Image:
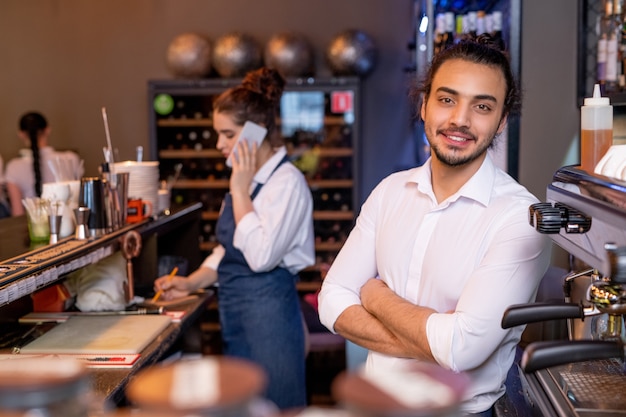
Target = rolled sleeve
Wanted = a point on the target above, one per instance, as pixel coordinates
(465, 339)
(333, 300)
(213, 260)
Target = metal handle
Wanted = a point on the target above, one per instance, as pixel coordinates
(540, 355)
(530, 313)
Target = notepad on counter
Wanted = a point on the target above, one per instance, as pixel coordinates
(100, 335)
(91, 361)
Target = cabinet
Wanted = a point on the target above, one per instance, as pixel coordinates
(319, 118)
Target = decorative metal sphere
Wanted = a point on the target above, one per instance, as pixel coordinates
(291, 54)
(234, 54)
(352, 52)
(189, 56)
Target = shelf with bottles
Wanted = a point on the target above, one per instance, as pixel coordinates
(319, 121)
(440, 23)
(602, 49)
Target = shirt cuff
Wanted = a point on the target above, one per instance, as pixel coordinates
(330, 307)
(439, 334)
(213, 260)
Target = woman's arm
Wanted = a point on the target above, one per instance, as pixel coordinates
(15, 198)
(177, 286)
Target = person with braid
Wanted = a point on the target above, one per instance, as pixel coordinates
(265, 231)
(26, 174)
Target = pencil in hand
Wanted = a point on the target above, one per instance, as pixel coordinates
(169, 279)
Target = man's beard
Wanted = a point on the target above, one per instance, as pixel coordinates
(456, 158)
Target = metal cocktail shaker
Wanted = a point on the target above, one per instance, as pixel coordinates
(81, 215)
(92, 195)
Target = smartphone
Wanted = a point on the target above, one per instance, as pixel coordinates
(252, 133)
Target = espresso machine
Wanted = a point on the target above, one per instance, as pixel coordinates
(583, 376)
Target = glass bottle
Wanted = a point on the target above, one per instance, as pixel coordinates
(610, 32)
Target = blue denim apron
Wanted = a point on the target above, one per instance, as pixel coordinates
(260, 316)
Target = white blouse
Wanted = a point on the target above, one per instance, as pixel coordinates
(279, 232)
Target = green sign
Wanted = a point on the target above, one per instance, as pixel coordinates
(163, 104)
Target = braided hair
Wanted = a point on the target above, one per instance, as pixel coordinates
(33, 124)
(256, 99)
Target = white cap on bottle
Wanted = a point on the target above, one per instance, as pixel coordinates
(597, 99)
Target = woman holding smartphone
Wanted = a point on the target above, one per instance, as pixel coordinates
(265, 231)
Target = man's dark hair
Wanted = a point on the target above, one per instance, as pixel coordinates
(482, 49)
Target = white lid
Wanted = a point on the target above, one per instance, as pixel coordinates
(597, 99)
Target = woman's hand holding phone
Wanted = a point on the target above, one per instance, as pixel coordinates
(251, 133)
(243, 157)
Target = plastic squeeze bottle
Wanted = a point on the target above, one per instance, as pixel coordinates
(596, 129)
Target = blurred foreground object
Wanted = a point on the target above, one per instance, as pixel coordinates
(211, 385)
(44, 386)
(420, 390)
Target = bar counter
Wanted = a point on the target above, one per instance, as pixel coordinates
(23, 265)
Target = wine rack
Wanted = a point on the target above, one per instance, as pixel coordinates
(319, 119)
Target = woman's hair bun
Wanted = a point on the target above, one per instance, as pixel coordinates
(265, 81)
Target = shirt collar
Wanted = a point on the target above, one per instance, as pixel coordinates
(478, 187)
(263, 174)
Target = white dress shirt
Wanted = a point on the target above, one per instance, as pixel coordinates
(279, 232)
(474, 254)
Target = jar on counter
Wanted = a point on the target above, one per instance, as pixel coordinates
(419, 390)
(44, 387)
(209, 386)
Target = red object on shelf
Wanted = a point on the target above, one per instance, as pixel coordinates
(50, 299)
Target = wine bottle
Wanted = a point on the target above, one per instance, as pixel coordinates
(180, 109)
(609, 31)
(496, 21)
(481, 22)
(471, 23)
(461, 27)
(440, 32)
(449, 29)
(179, 140)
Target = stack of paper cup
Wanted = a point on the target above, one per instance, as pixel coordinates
(143, 181)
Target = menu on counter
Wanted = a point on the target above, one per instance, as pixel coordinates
(90, 360)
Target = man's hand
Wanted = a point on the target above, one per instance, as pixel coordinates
(372, 291)
(404, 320)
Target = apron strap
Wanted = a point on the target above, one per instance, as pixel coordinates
(259, 185)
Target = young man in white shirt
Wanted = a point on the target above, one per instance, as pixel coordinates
(440, 251)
